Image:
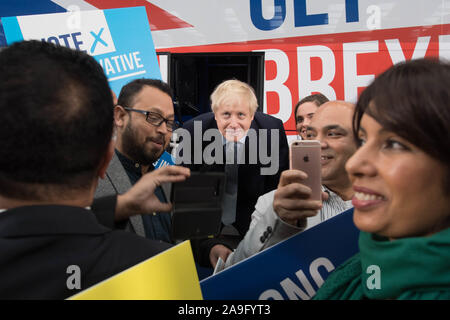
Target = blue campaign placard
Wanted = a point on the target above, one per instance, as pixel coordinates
(119, 39)
(293, 269)
(166, 159)
(12, 30)
(134, 40)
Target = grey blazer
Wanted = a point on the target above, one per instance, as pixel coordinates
(117, 182)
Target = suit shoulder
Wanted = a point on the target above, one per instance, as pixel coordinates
(139, 246)
(267, 121)
(205, 118)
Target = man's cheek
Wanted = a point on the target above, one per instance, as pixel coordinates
(167, 141)
(245, 126)
(222, 129)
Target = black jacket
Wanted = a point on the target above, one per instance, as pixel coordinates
(39, 243)
(251, 184)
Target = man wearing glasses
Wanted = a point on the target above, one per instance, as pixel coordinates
(144, 121)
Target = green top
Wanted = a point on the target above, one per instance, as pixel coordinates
(408, 268)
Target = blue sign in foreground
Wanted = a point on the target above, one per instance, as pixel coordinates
(293, 269)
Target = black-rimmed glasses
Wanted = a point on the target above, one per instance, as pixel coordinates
(156, 119)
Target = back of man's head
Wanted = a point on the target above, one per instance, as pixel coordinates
(57, 120)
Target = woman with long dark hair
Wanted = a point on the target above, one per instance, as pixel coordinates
(401, 179)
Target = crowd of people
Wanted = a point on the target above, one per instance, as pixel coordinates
(78, 185)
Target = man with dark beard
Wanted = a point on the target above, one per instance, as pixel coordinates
(144, 121)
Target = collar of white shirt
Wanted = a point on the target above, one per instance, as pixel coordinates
(227, 142)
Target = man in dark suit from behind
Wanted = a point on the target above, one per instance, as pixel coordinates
(252, 135)
(55, 141)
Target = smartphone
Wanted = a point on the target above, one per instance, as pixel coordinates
(197, 205)
(304, 155)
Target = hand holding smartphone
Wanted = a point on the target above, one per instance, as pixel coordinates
(304, 155)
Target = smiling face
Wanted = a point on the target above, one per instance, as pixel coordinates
(303, 117)
(332, 126)
(138, 139)
(233, 117)
(399, 189)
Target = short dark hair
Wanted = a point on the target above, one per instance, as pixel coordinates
(317, 98)
(131, 89)
(57, 119)
(412, 99)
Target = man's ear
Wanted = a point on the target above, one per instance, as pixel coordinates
(120, 116)
(114, 98)
(106, 159)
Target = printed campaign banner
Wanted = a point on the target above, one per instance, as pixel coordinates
(171, 275)
(119, 39)
(293, 269)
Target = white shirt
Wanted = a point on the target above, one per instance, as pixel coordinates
(265, 216)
